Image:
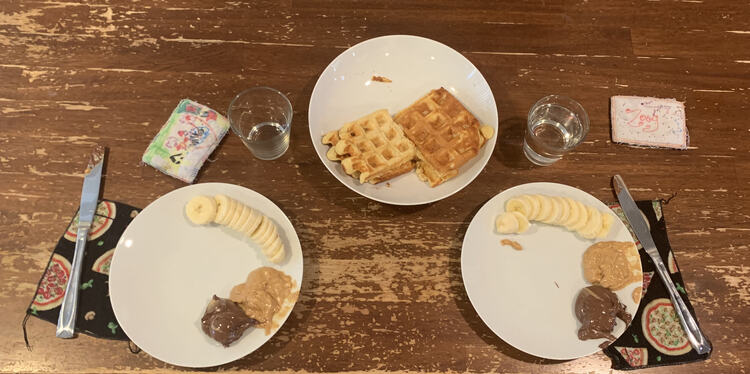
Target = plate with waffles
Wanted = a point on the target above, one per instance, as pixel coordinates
(403, 120)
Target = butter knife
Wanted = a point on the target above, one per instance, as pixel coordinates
(66, 322)
(693, 332)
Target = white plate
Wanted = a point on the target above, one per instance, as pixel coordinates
(166, 269)
(527, 297)
(344, 92)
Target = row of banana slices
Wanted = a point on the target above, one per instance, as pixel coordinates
(586, 220)
(239, 217)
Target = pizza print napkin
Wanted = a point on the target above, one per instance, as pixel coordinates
(95, 316)
(655, 337)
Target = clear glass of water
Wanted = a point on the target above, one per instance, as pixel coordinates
(262, 118)
(556, 124)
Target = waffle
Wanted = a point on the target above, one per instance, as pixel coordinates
(445, 134)
(372, 148)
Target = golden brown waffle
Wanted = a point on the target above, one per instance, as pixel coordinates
(372, 148)
(445, 133)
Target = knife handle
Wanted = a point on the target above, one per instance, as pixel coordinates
(66, 322)
(693, 332)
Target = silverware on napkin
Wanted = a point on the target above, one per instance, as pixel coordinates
(66, 322)
(641, 230)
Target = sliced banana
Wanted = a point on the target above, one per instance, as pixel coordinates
(583, 218)
(518, 205)
(234, 205)
(275, 251)
(201, 210)
(564, 210)
(244, 215)
(545, 208)
(278, 257)
(573, 215)
(507, 223)
(226, 211)
(252, 223)
(523, 223)
(607, 220)
(272, 235)
(555, 210)
(593, 225)
(223, 203)
(236, 215)
(534, 203)
(273, 247)
(262, 231)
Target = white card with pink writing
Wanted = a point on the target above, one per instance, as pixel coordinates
(648, 121)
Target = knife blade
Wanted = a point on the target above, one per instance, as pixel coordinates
(642, 232)
(89, 198)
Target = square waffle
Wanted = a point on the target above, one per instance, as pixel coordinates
(445, 134)
(372, 148)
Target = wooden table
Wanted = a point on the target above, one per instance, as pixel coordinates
(382, 287)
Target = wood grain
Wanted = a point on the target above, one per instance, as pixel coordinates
(382, 287)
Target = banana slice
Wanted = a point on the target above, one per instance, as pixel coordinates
(554, 211)
(236, 214)
(583, 217)
(564, 211)
(523, 223)
(534, 203)
(593, 225)
(278, 257)
(518, 205)
(607, 220)
(223, 203)
(545, 208)
(506, 223)
(201, 210)
(262, 230)
(268, 238)
(272, 235)
(234, 206)
(271, 249)
(244, 215)
(573, 215)
(252, 223)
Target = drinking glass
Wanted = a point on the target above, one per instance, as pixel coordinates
(556, 124)
(262, 118)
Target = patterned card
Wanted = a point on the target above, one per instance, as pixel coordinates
(184, 143)
(648, 121)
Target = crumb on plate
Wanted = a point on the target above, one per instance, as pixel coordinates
(377, 78)
(512, 243)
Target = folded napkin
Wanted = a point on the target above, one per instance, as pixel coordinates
(184, 143)
(655, 337)
(94, 315)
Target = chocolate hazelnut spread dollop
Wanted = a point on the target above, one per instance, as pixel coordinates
(596, 307)
(225, 321)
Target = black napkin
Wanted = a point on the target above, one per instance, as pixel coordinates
(655, 337)
(94, 315)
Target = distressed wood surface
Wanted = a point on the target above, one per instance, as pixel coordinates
(382, 286)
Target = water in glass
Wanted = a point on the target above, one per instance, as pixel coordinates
(552, 131)
(268, 140)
